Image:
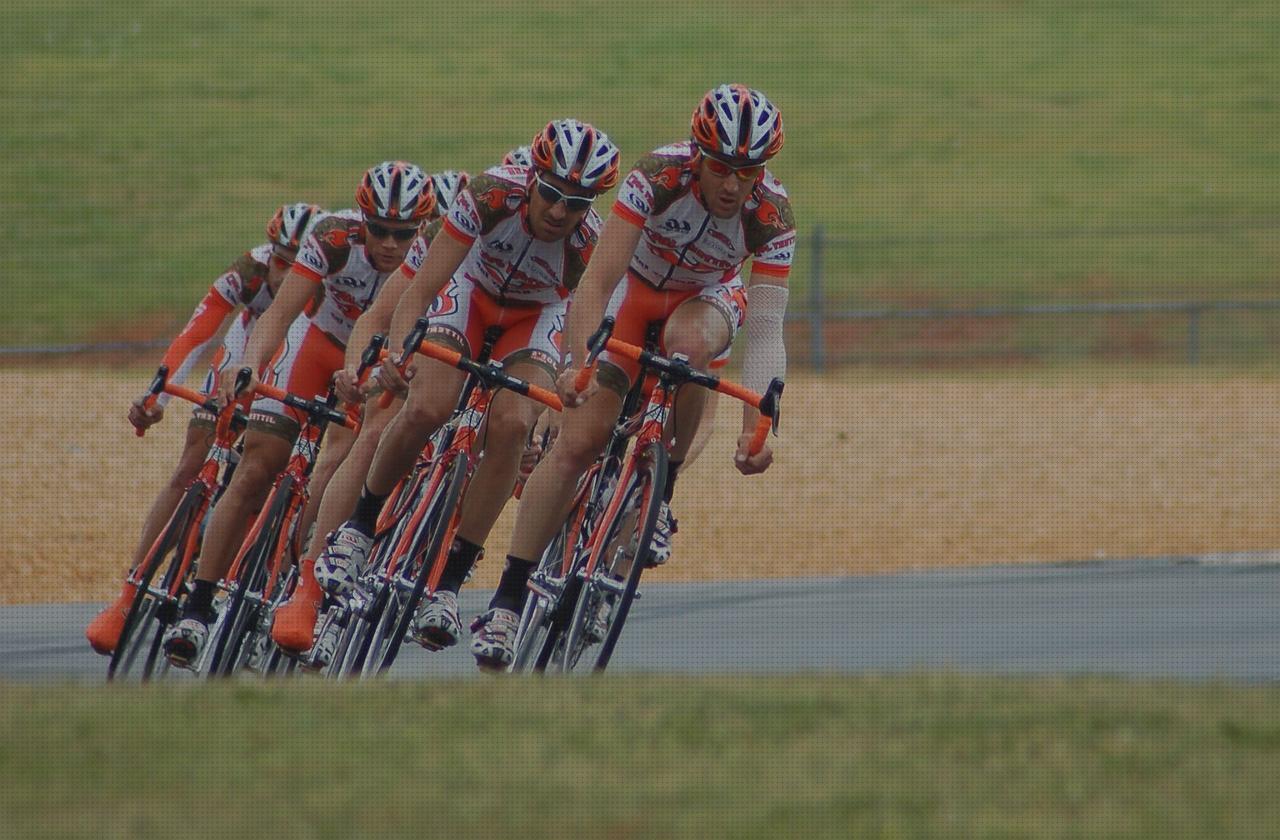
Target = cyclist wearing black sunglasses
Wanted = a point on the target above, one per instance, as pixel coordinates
(250, 282)
(341, 267)
(512, 251)
(688, 218)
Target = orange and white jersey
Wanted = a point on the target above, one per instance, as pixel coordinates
(506, 260)
(244, 284)
(334, 257)
(684, 246)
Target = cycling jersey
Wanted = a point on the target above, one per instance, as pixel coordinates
(684, 246)
(333, 256)
(243, 284)
(491, 216)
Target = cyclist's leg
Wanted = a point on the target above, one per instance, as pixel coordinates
(194, 451)
(338, 443)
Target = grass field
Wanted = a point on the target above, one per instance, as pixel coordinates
(145, 144)
(643, 757)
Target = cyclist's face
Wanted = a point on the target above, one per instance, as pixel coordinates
(281, 261)
(549, 217)
(723, 194)
(388, 241)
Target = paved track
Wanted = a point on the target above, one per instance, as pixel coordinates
(1151, 618)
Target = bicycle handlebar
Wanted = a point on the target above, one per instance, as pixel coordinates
(160, 384)
(767, 403)
(314, 408)
(489, 372)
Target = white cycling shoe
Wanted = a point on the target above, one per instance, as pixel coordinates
(437, 626)
(493, 640)
(345, 553)
(184, 642)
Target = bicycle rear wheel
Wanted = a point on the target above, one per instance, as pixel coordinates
(626, 539)
(144, 621)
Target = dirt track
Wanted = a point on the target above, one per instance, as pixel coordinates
(869, 477)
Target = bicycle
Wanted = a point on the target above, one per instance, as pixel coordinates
(410, 551)
(264, 570)
(155, 608)
(590, 572)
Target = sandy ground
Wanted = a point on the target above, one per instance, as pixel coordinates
(869, 477)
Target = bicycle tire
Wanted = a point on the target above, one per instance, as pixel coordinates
(644, 496)
(233, 622)
(428, 544)
(136, 631)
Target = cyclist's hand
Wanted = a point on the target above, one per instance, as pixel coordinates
(567, 387)
(144, 418)
(227, 385)
(389, 377)
(751, 464)
(347, 386)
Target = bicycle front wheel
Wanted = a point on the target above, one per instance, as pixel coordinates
(624, 545)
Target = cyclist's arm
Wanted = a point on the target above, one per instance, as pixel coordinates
(613, 253)
(189, 344)
(765, 356)
(270, 330)
(446, 253)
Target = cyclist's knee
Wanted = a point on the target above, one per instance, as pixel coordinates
(423, 416)
(695, 340)
(508, 428)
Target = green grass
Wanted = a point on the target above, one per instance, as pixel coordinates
(911, 756)
(145, 144)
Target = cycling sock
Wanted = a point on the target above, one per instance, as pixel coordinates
(462, 556)
(365, 519)
(511, 588)
(673, 470)
(200, 602)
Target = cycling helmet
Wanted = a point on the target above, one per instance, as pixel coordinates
(519, 156)
(576, 152)
(738, 124)
(396, 190)
(447, 185)
(290, 222)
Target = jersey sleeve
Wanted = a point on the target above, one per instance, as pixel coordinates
(635, 198)
(236, 284)
(579, 248)
(486, 201)
(418, 250)
(771, 235)
(325, 250)
(187, 347)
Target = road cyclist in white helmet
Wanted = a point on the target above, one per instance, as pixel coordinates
(687, 220)
(299, 342)
(509, 255)
(247, 286)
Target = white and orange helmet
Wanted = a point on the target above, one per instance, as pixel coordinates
(290, 222)
(577, 152)
(396, 191)
(447, 185)
(519, 156)
(737, 124)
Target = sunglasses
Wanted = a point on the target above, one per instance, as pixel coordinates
(572, 203)
(721, 169)
(378, 231)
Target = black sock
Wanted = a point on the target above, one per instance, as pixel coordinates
(462, 556)
(673, 470)
(370, 505)
(200, 602)
(511, 588)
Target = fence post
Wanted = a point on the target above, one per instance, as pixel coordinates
(817, 341)
(1193, 334)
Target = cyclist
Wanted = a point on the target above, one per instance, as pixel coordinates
(687, 219)
(251, 283)
(344, 262)
(294, 622)
(514, 248)
(519, 156)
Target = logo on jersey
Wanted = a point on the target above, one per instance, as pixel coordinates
(446, 303)
(677, 226)
(350, 307)
(499, 245)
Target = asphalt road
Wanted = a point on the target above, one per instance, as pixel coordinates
(1150, 618)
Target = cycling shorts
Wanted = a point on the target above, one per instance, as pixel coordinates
(530, 331)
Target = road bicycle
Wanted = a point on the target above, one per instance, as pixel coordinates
(587, 579)
(411, 547)
(264, 571)
(157, 602)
